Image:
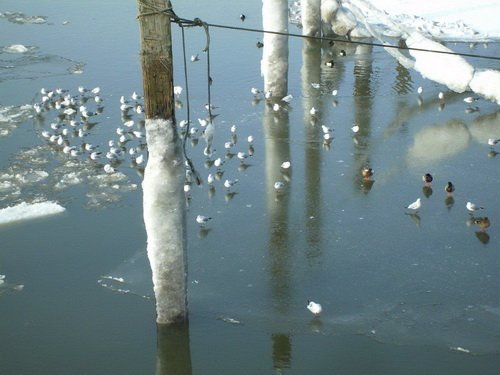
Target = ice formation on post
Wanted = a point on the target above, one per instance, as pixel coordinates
(274, 63)
(164, 217)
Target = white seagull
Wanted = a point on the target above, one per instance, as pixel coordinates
(286, 164)
(230, 183)
(471, 207)
(314, 307)
(202, 220)
(415, 206)
(493, 141)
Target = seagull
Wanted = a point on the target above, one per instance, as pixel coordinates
(242, 17)
(218, 162)
(313, 111)
(415, 205)
(195, 58)
(330, 63)
(140, 159)
(287, 99)
(242, 156)
(210, 179)
(286, 165)
(427, 178)
(255, 91)
(259, 44)
(230, 183)
(470, 99)
(355, 128)
(250, 139)
(177, 91)
(314, 307)
(334, 93)
(109, 169)
(441, 96)
(136, 96)
(315, 85)
(493, 141)
(268, 94)
(202, 220)
(420, 90)
(326, 129)
(471, 207)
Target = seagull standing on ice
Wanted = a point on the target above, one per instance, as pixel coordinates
(471, 207)
(314, 308)
(202, 220)
(415, 206)
(228, 184)
(493, 141)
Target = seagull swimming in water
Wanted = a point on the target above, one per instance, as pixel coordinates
(314, 308)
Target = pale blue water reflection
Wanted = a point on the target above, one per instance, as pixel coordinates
(400, 293)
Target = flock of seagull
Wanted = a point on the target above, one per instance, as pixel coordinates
(74, 115)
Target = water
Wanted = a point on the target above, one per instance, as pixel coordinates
(400, 293)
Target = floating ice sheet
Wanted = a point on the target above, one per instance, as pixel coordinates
(27, 211)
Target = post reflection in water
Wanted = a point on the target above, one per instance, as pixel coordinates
(311, 73)
(173, 353)
(363, 98)
(277, 148)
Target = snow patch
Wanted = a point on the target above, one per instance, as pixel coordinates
(487, 83)
(450, 70)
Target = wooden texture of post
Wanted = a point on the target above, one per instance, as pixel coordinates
(156, 54)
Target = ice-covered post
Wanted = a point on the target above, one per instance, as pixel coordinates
(274, 64)
(163, 199)
(311, 17)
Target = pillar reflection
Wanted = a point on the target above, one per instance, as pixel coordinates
(310, 76)
(173, 355)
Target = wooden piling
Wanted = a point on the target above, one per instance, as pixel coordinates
(156, 56)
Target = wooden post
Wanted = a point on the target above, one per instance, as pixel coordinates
(163, 195)
(156, 54)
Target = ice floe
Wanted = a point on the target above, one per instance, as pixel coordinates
(26, 211)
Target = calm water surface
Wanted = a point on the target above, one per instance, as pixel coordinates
(412, 294)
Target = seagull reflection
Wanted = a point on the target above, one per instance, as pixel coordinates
(203, 232)
(415, 217)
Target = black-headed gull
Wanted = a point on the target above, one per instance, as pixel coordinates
(314, 308)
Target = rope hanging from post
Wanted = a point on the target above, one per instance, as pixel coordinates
(196, 22)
